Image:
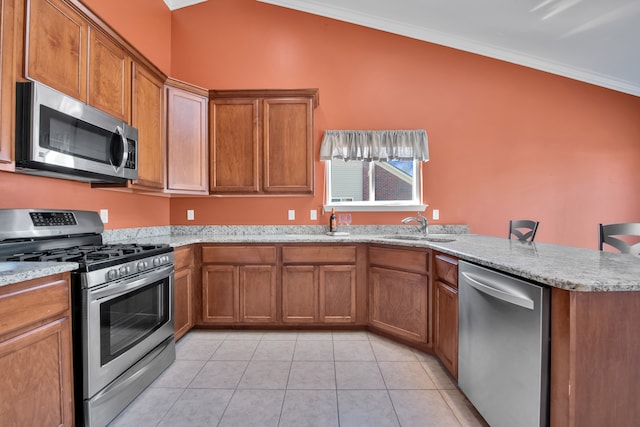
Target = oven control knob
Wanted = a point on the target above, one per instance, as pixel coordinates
(156, 262)
(112, 274)
(122, 270)
(141, 265)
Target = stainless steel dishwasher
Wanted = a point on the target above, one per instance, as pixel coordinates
(503, 347)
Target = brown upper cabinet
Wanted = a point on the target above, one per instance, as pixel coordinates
(147, 115)
(56, 48)
(109, 76)
(262, 141)
(67, 52)
(187, 163)
(8, 34)
(73, 51)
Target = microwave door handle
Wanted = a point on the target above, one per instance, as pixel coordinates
(125, 150)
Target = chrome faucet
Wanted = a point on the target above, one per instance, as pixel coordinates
(424, 222)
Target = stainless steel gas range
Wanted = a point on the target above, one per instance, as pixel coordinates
(122, 304)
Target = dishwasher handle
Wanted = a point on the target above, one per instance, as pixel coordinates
(486, 288)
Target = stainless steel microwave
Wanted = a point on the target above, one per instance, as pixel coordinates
(61, 137)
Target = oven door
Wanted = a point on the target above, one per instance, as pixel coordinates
(124, 321)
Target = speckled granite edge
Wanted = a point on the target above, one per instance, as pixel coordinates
(15, 272)
(257, 230)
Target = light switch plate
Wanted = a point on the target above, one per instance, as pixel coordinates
(104, 215)
(436, 214)
(313, 215)
(292, 214)
(190, 215)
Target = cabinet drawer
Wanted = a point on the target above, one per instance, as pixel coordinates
(400, 259)
(239, 254)
(29, 302)
(447, 269)
(319, 255)
(183, 257)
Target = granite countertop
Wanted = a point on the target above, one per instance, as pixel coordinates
(14, 272)
(565, 267)
(570, 268)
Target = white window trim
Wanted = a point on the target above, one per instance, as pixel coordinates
(380, 206)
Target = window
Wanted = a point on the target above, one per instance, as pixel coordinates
(371, 170)
(373, 184)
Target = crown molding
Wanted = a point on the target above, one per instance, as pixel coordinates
(432, 36)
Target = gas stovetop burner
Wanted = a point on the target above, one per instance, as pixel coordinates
(88, 255)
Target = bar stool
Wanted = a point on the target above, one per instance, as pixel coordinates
(523, 229)
(608, 231)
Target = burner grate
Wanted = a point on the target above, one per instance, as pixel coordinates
(86, 254)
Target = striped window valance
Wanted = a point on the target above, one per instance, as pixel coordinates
(378, 145)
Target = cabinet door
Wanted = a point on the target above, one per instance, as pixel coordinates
(182, 302)
(7, 83)
(57, 47)
(257, 294)
(220, 294)
(234, 165)
(288, 145)
(337, 288)
(299, 294)
(446, 327)
(36, 377)
(187, 163)
(109, 76)
(147, 116)
(398, 303)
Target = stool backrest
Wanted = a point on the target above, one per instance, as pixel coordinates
(523, 229)
(608, 232)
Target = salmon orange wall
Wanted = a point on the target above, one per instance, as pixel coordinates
(146, 24)
(125, 209)
(505, 141)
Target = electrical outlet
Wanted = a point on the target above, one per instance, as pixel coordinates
(436, 214)
(104, 215)
(313, 215)
(190, 215)
(292, 214)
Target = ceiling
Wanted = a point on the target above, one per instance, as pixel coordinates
(595, 41)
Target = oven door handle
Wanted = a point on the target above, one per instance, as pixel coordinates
(110, 291)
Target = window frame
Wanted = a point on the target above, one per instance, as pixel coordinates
(376, 206)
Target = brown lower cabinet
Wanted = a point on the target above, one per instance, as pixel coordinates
(183, 290)
(319, 284)
(445, 285)
(319, 294)
(283, 284)
(35, 353)
(239, 285)
(399, 293)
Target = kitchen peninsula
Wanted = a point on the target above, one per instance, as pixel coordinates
(595, 306)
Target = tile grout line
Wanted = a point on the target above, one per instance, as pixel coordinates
(286, 386)
(386, 387)
(237, 384)
(335, 375)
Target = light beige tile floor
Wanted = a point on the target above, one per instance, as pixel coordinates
(299, 378)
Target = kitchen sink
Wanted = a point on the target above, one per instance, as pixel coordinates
(441, 239)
